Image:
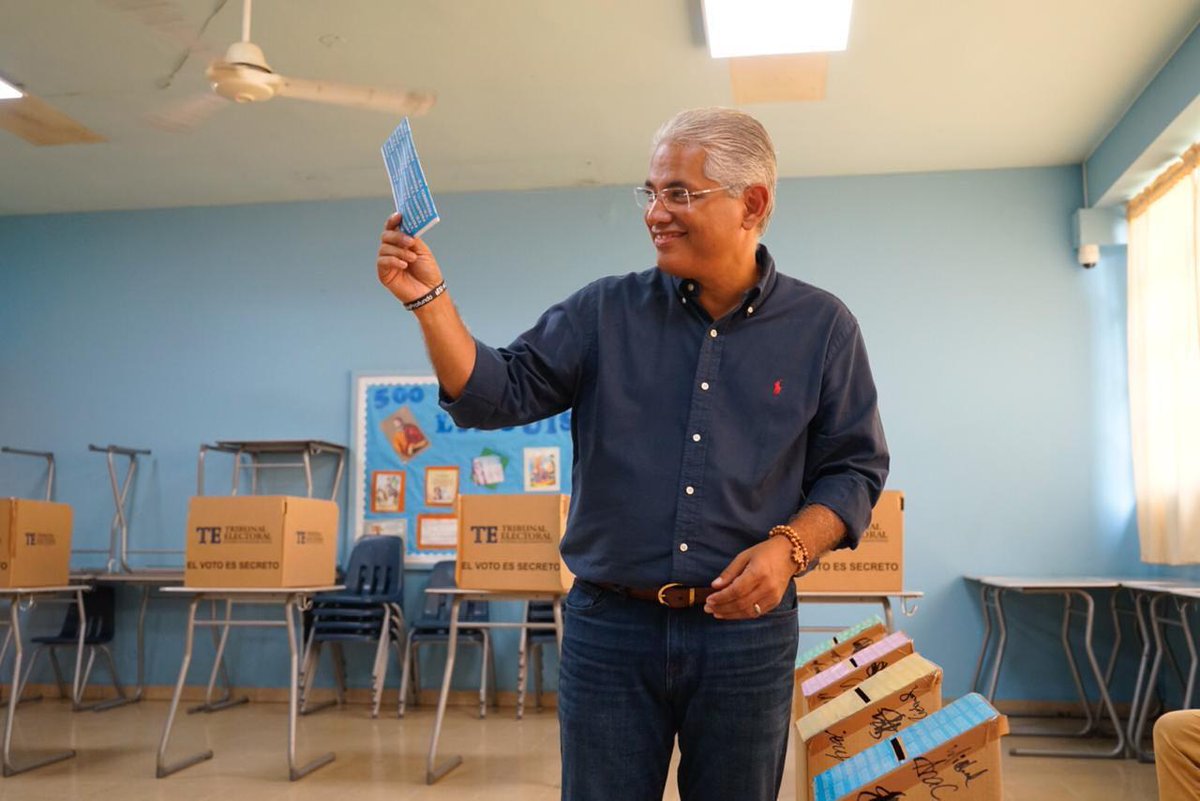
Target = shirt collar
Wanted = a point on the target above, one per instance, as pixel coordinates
(690, 289)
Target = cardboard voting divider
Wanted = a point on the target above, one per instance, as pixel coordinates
(876, 565)
(35, 543)
(829, 652)
(510, 542)
(261, 541)
(888, 702)
(954, 753)
(850, 672)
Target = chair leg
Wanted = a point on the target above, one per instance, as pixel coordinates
(381, 662)
(416, 674)
(338, 657)
(410, 655)
(483, 675)
(522, 671)
(537, 676)
(380, 669)
(312, 665)
(112, 670)
(19, 690)
(58, 674)
(494, 686)
(87, 676)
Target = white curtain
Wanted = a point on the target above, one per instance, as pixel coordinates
(1164, 367)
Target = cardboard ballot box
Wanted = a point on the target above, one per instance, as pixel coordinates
(35, 543)
(828, 653)
(261, 541)
(850, 672)
(954, 753)
(888, 702)
(510, 542)
(876, 565)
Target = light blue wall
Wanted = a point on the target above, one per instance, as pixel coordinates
(1000, 363)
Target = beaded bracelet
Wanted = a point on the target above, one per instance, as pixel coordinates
(432, 295)
(800, 554)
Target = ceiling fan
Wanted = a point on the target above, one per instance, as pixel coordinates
(243, 76)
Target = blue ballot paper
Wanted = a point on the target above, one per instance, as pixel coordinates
(411, 192)
(867, 767)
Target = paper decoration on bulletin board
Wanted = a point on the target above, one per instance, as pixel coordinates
(411, 463)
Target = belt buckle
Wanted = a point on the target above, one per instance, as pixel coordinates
(663, 590)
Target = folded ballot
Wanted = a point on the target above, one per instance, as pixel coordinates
(882, 705)
(829, 652)
(847, 674)
(954, 753)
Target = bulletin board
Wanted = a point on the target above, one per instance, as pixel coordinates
(411, 462)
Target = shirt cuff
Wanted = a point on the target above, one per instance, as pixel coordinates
(483, 393)
(851, 499)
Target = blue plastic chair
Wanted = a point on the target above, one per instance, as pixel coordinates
(533, 643)
(433, 626)
(100, 616)
(370, 609)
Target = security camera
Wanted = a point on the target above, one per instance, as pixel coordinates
(1089, 256)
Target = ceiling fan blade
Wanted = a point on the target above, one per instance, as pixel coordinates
(779, 79)
(40, 123)
(167, 18)
(187, 114)
(412, 104)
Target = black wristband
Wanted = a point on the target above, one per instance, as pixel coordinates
(427, 298)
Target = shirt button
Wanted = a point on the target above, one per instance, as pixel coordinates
(690, 490)
(684, 300)
(690, 286)
(712, 333)
(695, 437)
(749, 310)
(683, 547)
(704, 386)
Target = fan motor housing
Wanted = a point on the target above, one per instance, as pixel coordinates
(245, 85)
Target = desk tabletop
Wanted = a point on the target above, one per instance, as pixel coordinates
(846, 594)
(251, 591)
(499, 595)
(1160, 585)
(43, 590)
(137, 577)
(1020, 583)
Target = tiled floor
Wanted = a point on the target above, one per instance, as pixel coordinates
(385, 759)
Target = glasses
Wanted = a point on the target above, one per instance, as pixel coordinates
(673, 198)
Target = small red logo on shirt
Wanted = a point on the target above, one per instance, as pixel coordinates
(778, 387)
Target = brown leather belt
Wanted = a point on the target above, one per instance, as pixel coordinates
(674, 595)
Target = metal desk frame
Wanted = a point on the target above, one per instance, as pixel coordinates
(119, 550)
(1183, 598)
(434, 771)
(47, 455)
(28, 597)
(992, 589)
(293, 600)
(254, 450)
(1142, 594)
(884, 599)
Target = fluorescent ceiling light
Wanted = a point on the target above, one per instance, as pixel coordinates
(773, 27)
(8, 91)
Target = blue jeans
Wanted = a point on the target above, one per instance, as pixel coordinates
(635, 675)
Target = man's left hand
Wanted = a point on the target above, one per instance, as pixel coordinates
(758, 575)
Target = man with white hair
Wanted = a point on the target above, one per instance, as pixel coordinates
(726, 435)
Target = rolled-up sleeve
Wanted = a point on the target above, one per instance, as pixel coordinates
(534, 377)
(847, 460)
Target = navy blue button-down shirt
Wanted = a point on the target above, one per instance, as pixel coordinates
(692, 437)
